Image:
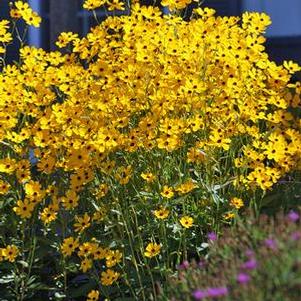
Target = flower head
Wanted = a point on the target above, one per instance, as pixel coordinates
(293, 216)
(243, 278)
(186, 221)
(152, 249)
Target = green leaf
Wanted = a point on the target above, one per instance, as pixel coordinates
(7, 279)
(23, 263)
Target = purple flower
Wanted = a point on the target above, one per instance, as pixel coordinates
(243, 278)
(250, 253)
(293, 216)
(217, 291)
(271, 243)
(202, 263)
(212, 236)
(210, 292)
(184, 265)
(295, 235)
(251, 264)
(199, 295)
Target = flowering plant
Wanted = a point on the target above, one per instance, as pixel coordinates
(120, 152)
(258, 259)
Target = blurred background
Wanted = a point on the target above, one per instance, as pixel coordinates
(283, 36)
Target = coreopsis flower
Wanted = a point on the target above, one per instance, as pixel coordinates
(34, 191)
(10, 252)
(65, 38)
(93, 296)
(205, 12)
(68, 246)
(186, 221)
(99, 214)
(24, 208)
(100, 253)
(102, 190)
(161, 213)
(86, 264)
(14, 13)
(108, 277)
(236, 203)
(148, 177)
(32, 18)
(152, 249)
(229, 215)
(48, 215)
(124, 174)
(167, 192)
(4, 187)
(113, 257)
(5, 36)
(176, 4)
(186, 187)
(70, 201)
(24, 10)
(82, 223)
(93, 4)
(115, 5)
(86, 249)
(291, 66)
(7, 165)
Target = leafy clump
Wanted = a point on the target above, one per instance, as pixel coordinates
(258, 259)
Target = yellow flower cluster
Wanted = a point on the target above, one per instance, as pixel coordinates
(145, 107)
(110, 4)
(5, 36)
(24, 11)
(90, 252)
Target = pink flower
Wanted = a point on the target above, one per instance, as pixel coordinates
(251, 264)
(293, 216)
(212, 236)
(243, 278)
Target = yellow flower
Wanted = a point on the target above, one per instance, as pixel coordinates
(93, 4)
(4, 187)
(69, 245)
(152, 249)
(176, 4)
(10, 253)
(236, 203)
(161, 213)
(82, 223)
(86, 249)
(186, 187)
(48, 215)
(112, 258)
(229, 215)
(167, 192)
(32, 18)
(93, 295)
(186, 221)
(108, 277)
(86, 264)
(24, 208)
(148, 177)
(65, 38)
(100, 253)
(25, 11)
(70, 201)
(7, 165)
